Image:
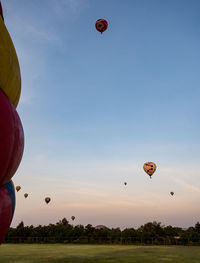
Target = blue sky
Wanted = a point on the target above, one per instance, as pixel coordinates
(96, 107)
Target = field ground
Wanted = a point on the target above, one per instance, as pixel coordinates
(58, 253)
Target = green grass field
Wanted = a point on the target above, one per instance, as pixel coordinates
(97, 254)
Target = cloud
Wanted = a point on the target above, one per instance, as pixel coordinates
(63, 7)
(33, 32)
(93, 190)
(186, 185)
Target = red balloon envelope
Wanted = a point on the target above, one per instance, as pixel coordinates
(101, 25)
(11, 139)
(47, 199)
(7, 208)
(1, 11)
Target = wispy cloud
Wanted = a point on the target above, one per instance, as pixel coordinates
(186, 184)
(63, 7)
(33, 32)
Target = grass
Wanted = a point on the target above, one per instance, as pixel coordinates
(57, 253)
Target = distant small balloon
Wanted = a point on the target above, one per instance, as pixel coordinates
(171, 193)
(73, 217)
(47, 199)
(125, 183)
(149, 168)
(101, 25)
(25, 195)
(18, 188)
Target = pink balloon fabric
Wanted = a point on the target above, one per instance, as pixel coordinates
(11, 139)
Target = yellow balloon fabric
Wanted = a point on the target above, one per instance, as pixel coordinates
(10, 77)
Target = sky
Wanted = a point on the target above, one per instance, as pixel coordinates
(96, 107)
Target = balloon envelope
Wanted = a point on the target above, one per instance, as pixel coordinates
(73, 217)
(10, 76)
(11, 139)
(101, 25)
(18, 187)
(47, 199)
(149, 168)
(25, 195)
(7, 208)
(171, 193)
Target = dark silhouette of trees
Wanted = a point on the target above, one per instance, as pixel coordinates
(62, 232)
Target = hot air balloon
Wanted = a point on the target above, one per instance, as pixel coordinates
(149, 168)
(125, 183)
(18, 188)
(47, 199)
(171, 193)
(101, 25)
(7, 208)
(11, 132)
(73, 217)
(25, 195)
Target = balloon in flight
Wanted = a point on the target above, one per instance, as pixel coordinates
(171, 193)
(101, 25)
(18, 187)
(73, 217)
(125, 183)
(47, 199)
(25, 195)
(149, 168)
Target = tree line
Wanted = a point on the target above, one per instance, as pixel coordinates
(62, 232)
